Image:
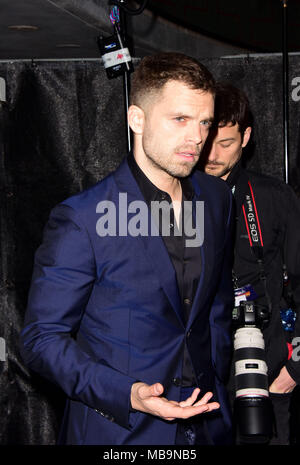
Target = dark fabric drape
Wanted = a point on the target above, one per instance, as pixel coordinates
(64, 129)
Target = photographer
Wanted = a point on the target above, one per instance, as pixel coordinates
(271, 251)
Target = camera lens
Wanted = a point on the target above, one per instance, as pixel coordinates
(250, 366)
(252, 403)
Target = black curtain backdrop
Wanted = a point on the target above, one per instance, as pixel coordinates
(62, 130)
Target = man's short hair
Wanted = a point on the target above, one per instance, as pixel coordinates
(154, 71)
(232, 107)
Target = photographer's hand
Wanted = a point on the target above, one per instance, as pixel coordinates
(283, 384)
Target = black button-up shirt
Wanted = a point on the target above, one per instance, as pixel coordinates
(186, 260)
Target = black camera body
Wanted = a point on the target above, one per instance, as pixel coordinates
(250, 313)
(252, 406)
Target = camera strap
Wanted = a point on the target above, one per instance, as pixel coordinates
(255, 237)
(252, 222)
(254, 232)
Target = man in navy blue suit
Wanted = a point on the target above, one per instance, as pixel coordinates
(129, 310)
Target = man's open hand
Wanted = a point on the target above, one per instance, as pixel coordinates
(148, 399)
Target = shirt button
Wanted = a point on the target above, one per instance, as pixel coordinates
(176, 381)
(105, 415)
(187, 301)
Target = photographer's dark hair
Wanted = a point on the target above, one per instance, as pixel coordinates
(154, 71)
(231, 107)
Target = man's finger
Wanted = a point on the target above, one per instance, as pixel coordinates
(190, 400)
(205, 399)
(189, 411)
(146, 391)
(169, 410)
(210, 405)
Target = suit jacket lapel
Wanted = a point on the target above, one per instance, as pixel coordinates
(153, 244)
(207, 255)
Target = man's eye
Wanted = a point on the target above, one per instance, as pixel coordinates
(225, 146)
(206, 123)
(180, 118)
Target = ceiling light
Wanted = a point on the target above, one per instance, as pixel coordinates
(67, 45)
(23, 27)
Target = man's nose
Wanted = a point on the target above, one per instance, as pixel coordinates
(211, 154)
(195, 134)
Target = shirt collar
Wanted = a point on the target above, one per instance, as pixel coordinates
(149, 190)
(234, 174)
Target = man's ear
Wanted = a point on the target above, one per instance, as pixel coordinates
(136, 119)
(246, 136)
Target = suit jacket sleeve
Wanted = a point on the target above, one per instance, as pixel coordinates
(62, 281)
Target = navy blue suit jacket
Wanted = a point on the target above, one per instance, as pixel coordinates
(105, 312)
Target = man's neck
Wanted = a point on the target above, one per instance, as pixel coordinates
(234, 174)
(160, 178)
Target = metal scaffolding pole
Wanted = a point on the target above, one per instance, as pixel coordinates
(285, 80)
(126, 82)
